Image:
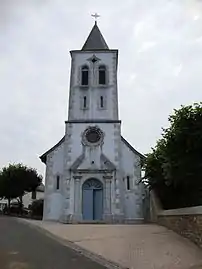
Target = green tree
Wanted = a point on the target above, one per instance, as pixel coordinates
(16, 180)
(174, 167)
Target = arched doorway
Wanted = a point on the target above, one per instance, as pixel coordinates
(92, 202)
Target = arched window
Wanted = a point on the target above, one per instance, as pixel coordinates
(102, 75)
(84, 75)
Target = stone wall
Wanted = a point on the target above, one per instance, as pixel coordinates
(189, 226)
(185, 221)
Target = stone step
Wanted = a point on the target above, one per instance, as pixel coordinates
(129, 221)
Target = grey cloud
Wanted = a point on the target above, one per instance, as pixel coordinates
(160, 55)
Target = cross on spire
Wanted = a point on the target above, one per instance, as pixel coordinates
(95, 16)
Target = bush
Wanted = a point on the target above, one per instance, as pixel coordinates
(37, 208)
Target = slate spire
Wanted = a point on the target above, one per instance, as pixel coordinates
(95, 40)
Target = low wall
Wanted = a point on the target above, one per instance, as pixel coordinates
(185, 221)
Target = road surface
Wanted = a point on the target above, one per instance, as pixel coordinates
(22, 247)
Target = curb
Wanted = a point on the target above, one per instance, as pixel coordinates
(94, 257)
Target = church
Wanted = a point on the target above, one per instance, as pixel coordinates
(93, 174)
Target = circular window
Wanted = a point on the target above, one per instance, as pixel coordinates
(92, 136)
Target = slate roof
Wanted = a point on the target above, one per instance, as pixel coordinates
(95, 40)
(43, 157)
(132, 148)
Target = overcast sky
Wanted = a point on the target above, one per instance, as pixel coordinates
(160, 66)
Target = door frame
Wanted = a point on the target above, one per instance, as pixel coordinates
(93, 188)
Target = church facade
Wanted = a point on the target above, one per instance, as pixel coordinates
(93, 174)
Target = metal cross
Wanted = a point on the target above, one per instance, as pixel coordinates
(95, 16)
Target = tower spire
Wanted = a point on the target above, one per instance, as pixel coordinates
(95, 40)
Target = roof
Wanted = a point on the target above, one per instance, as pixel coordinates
(95, 40)
(43, 157)
(132, 148)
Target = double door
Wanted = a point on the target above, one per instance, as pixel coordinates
(92, 203)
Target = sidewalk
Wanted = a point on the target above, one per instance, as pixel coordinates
(132, 246)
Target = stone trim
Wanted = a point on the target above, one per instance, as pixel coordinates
(184, 221)
(196, 210)
(93, 121)
(107, 177)
(77, 162)
(90, 52)
(96, 129)
(77, 177)
(189, 226)
(106, 76)
(91, 171)
(110, 165)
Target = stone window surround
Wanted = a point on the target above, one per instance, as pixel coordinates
(106, 76)
(96, 72)
(104, 107)
(85, 141)
(87, 69)
(82, 107)
(131, 184)
(56, 178)
(103, 68)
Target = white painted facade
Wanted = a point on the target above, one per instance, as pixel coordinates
(111, 160)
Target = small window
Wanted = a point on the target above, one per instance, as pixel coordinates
(84, 75)
(101, 102)
(84, 102)
(58, 182)
(128, 182)
(102, 75)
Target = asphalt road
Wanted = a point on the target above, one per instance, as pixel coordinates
(22, 247)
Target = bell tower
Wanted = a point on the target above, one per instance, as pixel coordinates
(93, 82)
(93, 135)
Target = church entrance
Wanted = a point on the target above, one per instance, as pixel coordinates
(92, 199)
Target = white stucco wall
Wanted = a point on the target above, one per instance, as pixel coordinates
(53, 198)
(93, 91)
(57, 159)
(108, 147)
(133, 197)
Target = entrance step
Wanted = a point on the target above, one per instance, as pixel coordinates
(126, 221)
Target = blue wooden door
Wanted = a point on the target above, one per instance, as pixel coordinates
(92, 201)
(97, 204)
(87, 204)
